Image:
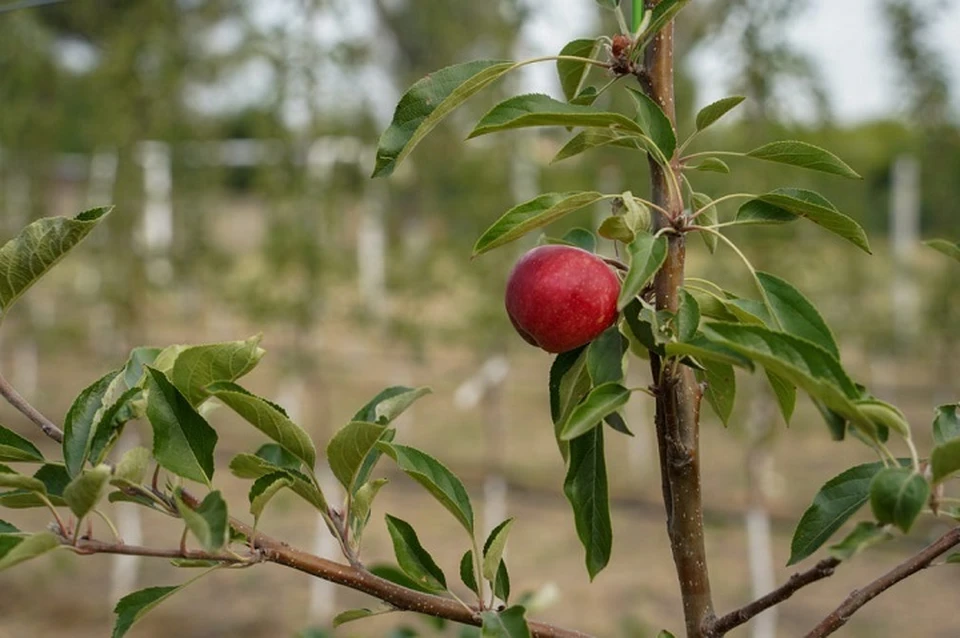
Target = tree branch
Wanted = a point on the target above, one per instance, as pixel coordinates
(278, 552)
(860, 597)
(823, 569)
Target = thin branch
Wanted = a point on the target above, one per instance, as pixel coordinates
(8, 392)
(823, 569)
(90, 546)
(860, 597)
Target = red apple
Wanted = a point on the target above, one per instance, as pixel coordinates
(560, 297)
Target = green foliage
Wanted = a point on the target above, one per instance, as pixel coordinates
(509, 623)
(863, 536)
(897, 495)
(209, 522)
(804, 155)
(573, 74)
(14, 448)
(535, 109)
(946, 423)
(602, 401)
(197, 367)
(16, 548)
(647, 254)
(585, 486)
(709, 114)
(414, 560)
(493, 549)
(945, 247)
(86, 490)
(536, 213)
(132, 607)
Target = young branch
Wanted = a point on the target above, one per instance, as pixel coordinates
(860, 597)
(823, 569)
(275, 551)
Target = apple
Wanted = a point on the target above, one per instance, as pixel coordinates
(560, 297)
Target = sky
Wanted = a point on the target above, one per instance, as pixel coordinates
(845, 38)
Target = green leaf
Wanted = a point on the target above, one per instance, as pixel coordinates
(536, 213)
(721, 390)
(609, 4)
(581, 238)
(655, 123)
(785, 393)
(709, 217)
(509, 623)
(196, 367)
(183, 441)
(803, 155)
(352, 614)
(602, 400)
(945, 460)
(349, 447)
(945, 247)
(79, 424)
(16, 449)
(53, 477)
(573, 74)
(706, 350)
(85, 491)
(616, 228)
(468, 572)
(396, 575)
(413, 559)
(110, 419)
(132, 467)
(885, 415)
(587, 96)
(647, 254)
(605, 357)
(585, 486)
(248, 466)
(795, 314)
(713, 112)
(264, 489)
(897, 495)
(17, 548)
(435, 477)
(494, 547)
(946, 423)
(665, 634)
(501, 585)
(132, 607)
(688, 316)
(536, 109)
(7, 528)
(596, 137)
(615, 421)
(712, 165)
(389, 408)
(273, 453)
(361, 504)
(663, 13)
(864, 535)
(11, 479)
(785, 204)
(834, 504)
(209, 522)
(427, 102)
(569, 383)
(37, 248)
(268, 418)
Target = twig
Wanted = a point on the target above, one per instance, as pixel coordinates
(90, 546)
(8, 392)
(823, 569)
(860, 597)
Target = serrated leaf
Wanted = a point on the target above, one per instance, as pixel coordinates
(535, 109)
(712, 165)
(616, 228)
(785, 204)
(654, 123)
(945, 247)
(897, 495)
(413, 559)
(273, 453)
(705, 350)
(16, 449)
(435, 477)
(349, 447)
(709, 114)
(183, 441)
(601, 401)
(585, 486)
(268, 418)
(427, 102)
(509, 623)
(785, 393)
(361, 504)
(946, 423)
(708, 217)
(663, 13)
(596, 137)
(945, 460)
(468, 572)
(572, 73)
(352, 614)
(647, 255)
(863, 536)
(605, 357)
(804, 155)
(721, 390)
(494, 547)
(79, 424)
(389, 408)
(395, 575)
(834, 504)
(587, 96)
(536, 213)
(110, 419)
(264, 489)
(795, 314)
(86, 490)
(208, 522)
(18, 548)
(54, 479)
(132, 467)
(248, 466)
(688, 316)
(197, 367)
(38, 248)
(132, 607)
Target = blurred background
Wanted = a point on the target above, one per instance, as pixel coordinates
(235, 138)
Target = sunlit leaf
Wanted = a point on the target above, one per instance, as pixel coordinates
(647, 254)
(535, 109)
(536, 213)
(413, 559)
(573, 73)
(897, 495)
(655, 123)
(713, 112)
(803, 155)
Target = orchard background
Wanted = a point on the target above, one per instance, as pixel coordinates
(235, 140)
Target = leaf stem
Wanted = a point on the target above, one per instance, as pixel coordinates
(686, 158)
(53, 510)
(720, 200)
(113, 528)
